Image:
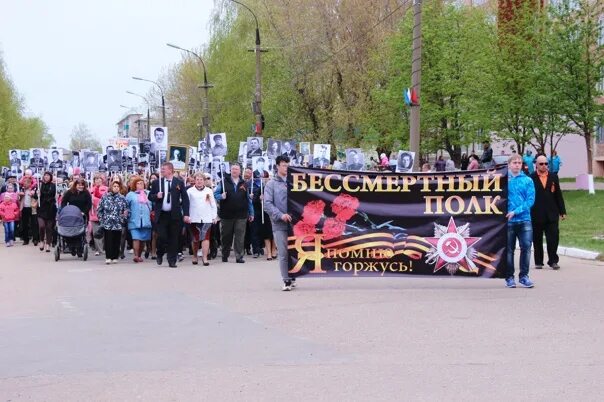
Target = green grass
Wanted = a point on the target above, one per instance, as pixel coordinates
(585, 219)
(572, 179)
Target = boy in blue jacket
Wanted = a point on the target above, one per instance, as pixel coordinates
(521, 197)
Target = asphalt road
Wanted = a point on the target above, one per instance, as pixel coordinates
(83, 331)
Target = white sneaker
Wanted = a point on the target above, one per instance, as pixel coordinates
(287, 286)
(107, 261)
(200, 253)
(131, 251)
(96, 253)
(114, 261)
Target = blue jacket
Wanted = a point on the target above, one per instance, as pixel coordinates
(140, 214)
(521, 197)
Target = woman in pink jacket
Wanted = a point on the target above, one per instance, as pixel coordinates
(97, 191)
(9, 213)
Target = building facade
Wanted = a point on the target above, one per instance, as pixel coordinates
(133, 125)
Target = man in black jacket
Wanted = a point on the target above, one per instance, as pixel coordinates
(171, 208)
(546, 213)
(235, 208)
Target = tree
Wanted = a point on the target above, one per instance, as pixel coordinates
(82, 138)
(16, 130)
(578, 55)
(457, 77)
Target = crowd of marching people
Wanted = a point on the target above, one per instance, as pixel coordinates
(170, 215)
(156, 217)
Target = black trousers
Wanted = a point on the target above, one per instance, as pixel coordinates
(168, 235)
(26, 226)
(112, 244)
(552, 238)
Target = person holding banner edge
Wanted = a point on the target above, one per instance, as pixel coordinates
(521, 197)
(275, 205)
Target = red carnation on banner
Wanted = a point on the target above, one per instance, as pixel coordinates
(304, 228)
(313, 211)
(333, 228)
(345, 206)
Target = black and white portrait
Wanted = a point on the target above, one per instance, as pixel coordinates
(288, 148)
(75, 159)
(305, 148)
(145, 148)
(14, 157)
(159, 138)
(321, 154)
(259, 166)
(56, 161)
(404, 162)
(254, 147)
(38, 159)
(354, 159)
(162, 156)
(114, 160)
(202, 147)
(218, 144)
(178, 157)
(24, 157)
(91, 161)
(273, 149)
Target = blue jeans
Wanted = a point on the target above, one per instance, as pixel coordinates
(523, 231)
(9, 231)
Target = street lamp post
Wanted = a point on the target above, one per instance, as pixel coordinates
(148, 113)
(205, 121)
(161, 90)
(257, 50)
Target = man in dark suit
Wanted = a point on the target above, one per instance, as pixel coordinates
(171, 208)
(546, 213)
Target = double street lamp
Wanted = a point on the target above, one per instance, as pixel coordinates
(257, 50)
(161, 90)
(205, 121)
(148, 114)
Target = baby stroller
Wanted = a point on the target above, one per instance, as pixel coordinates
(71, 230)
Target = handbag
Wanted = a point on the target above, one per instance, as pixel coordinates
(99, 232)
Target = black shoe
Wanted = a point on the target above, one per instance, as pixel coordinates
(122, 256)
(539, 266)
(159, 259)
(256, 255)
(240, 260)
(248, 252)
(146, 254)
(181, 257)
(35, 243)
(225, 259)
(555, 266)
(172, 265)
(25, 243)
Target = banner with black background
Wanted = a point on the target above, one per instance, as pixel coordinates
(378, 224)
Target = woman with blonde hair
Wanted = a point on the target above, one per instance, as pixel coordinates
(203, 213)
(139, 217)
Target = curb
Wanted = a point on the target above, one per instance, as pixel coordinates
(578, 253)
(572, 252)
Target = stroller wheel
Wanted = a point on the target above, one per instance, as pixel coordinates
(57, 253)
(85, 252)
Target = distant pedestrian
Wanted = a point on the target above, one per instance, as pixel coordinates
(465, 161)
(486, 160)
(521, 197)
(555, 163)
(529, 161)
(474, 165)
(440, 164)
(546, 213)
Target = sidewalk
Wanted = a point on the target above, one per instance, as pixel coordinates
(573, 186)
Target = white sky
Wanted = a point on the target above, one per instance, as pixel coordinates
(72, 61)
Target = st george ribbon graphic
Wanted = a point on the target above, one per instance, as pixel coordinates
(379, 224)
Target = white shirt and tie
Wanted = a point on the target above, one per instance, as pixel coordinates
(167, 201)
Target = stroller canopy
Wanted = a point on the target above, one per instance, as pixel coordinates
(71, 216)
